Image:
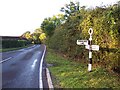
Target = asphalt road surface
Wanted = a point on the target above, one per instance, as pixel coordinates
(20, 68)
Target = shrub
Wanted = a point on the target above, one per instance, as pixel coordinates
(14, 43)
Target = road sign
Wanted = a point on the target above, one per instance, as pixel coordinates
(94, 47)
(89, 46)
(82, 42)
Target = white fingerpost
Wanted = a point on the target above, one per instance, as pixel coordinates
(90, 31)
(89, 46)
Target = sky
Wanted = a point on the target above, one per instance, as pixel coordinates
(19, 16)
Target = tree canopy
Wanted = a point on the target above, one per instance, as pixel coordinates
(37, 37)
(49, 24)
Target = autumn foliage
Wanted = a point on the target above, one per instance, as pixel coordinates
(104, 20)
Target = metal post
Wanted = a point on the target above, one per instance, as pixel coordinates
(90, 49)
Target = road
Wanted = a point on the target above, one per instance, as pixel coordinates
(21, 68)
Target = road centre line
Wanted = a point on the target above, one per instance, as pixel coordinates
(40, 72)
(33, 65)
(5, 60)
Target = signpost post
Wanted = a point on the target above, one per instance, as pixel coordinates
(90, 31)
(89, 46)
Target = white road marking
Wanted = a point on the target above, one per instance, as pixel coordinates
(33, 65)
(5, 60)
(40, 72)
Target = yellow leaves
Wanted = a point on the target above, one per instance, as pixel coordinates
(62, 83)
(42, 36)
(63, 74)
(66, 74)
(27, 35)
(32, 42)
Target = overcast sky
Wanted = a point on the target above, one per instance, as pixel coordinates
(19, 16)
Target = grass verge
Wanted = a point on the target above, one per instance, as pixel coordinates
(70, 74)
(11, 49)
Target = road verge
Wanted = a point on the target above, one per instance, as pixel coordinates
(67, 73)
(49, 80)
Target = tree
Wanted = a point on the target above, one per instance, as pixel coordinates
(33, 37)
(36, 34)
(70, 9)
(27, 35)
(49, 24)
(42, 37)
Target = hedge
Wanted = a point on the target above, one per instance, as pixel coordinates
(14, 43)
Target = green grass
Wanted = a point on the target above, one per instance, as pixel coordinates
(11, 49)
(71, 74)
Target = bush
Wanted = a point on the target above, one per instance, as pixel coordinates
(14, 43)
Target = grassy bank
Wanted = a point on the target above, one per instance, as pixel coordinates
(71, 74)
(11, 49)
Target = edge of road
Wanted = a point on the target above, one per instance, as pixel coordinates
(40, 69)
(49, 80)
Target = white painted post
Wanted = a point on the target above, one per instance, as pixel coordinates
(90, 31)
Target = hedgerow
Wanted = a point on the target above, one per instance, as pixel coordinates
(105, 22)
(14, 43)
